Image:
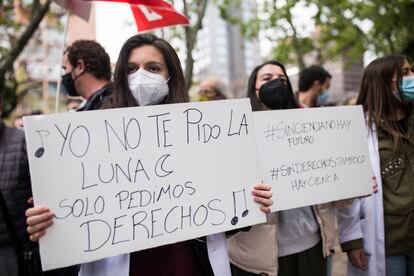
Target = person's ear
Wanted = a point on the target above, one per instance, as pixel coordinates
(317, 86)
(80, 67)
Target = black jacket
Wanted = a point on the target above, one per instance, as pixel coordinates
(98, 99)
(14, 181)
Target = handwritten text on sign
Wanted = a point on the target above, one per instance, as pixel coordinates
(127, 179)
(313, 155)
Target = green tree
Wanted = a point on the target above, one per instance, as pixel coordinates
(382, 26)
(276, 19)
(196, 11)
(344, 28)
(15, 33)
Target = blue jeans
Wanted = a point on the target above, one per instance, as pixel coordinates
(401, 265)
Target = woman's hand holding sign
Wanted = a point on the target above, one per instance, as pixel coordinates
(262, 194)
(38, 220)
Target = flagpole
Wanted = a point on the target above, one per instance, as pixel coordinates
(65, 31)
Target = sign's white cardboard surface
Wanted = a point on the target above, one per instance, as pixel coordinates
(313, 155)
(122, 180)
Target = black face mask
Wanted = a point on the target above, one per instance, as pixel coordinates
(275, 94)
(69, 84)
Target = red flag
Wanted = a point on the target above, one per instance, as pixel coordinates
(134, 2)
(149, 17)
(78, 8)
(153, 14)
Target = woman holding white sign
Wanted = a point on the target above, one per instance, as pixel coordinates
(293, 242)
(148, 72)
(377, 232)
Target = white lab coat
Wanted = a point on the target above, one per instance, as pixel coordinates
(119, 265)
(364, 218)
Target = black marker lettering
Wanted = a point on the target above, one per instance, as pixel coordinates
(216, 210)
(202, 207)
(160, 171)
(88, 227)
(193, 121)
(112, 174)
(165, 221)
(135, 224)
(134, 134)
(140, 168)
(164, 131)
(116, 226)
(83, 178)
(185, 216)
(122, 196)
(76, 143)
(64, 206)
(64, 136)
(153, 221)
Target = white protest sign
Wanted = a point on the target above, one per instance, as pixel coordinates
(122, 180)
(313, 155)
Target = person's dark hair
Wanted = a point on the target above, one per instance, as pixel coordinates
(219, 94)
(176, 85)
(251, 87)
(378, 99)
(36, 112)
(308, 76)
(94, 56)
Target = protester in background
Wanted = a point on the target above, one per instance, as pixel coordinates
(293, 242)
(87, 71)
(212, 89)
(148, 72)
(15, 189)
(378, 232)
(314, 83)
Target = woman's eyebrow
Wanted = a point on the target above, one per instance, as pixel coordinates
(153, 62)
(266, 75)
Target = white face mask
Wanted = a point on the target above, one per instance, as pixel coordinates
(148, 88)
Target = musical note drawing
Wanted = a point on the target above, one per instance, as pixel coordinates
(235, 219)
(41, 150)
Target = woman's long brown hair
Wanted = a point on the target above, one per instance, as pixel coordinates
(122, 96)
(378, 99)
(251, 87)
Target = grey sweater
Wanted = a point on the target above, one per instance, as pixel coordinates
(298, 231)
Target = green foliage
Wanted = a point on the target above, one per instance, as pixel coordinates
(19, 21)
(345, 28)
(283, 51)
(355, 26)
(9, 96)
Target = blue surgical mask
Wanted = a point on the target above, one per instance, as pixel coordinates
(407, 87)
(322, 99)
